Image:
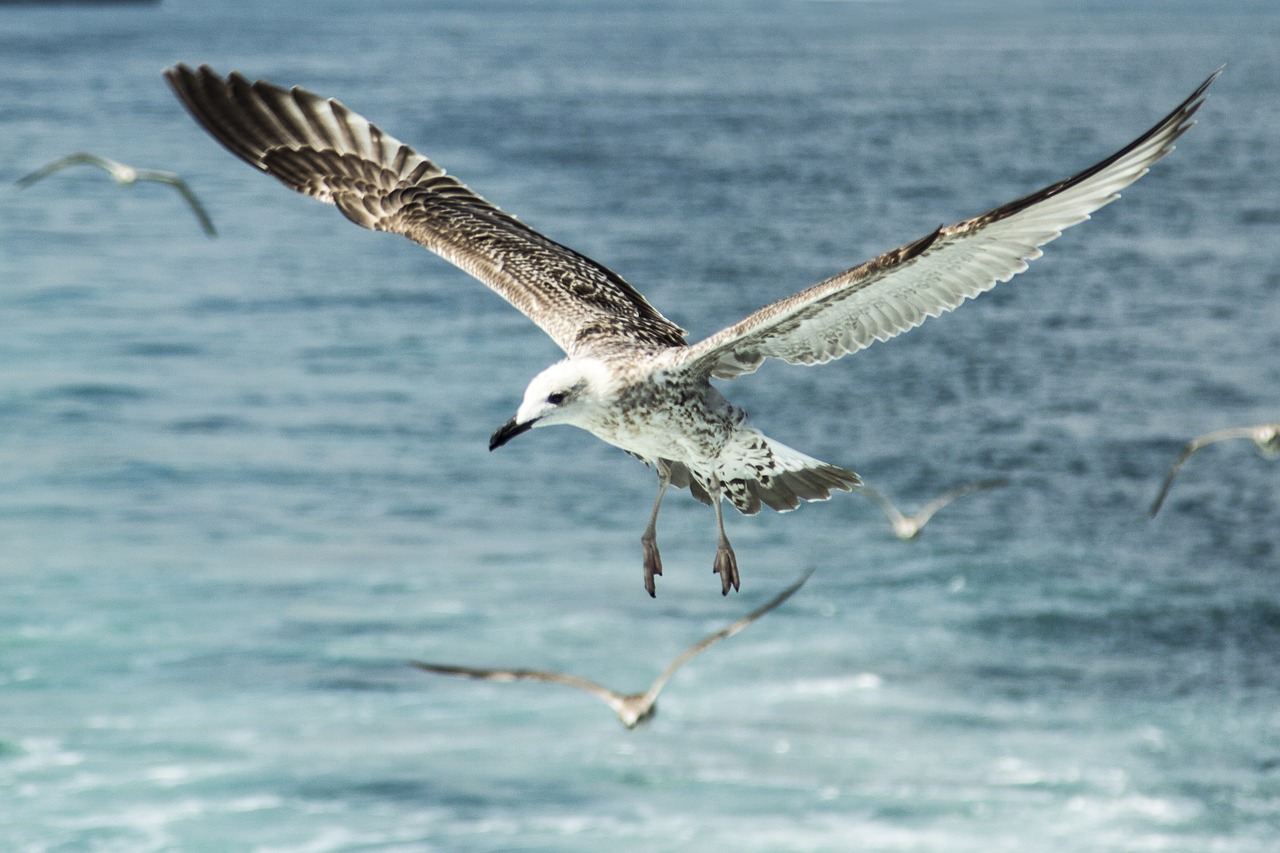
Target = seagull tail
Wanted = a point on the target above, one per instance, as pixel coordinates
(772, 474)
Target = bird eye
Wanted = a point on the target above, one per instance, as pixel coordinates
(555, 398)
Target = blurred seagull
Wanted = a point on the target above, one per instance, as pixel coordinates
(125, 175)
(909, 526)
(632, 709)
(629, 377)
(1265, 436)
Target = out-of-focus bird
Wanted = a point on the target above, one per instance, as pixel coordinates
(909, 526)
(1265, 436)
(125, 175)
(632, 709)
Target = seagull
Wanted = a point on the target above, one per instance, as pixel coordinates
(632, 709)
(909, 526)
(1265, 436)
(629, 377)
(125, 175)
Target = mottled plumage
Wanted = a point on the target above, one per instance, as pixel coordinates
(629, 377)
(1265, 436)
(632, 708)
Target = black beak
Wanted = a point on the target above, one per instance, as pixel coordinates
(508, 431)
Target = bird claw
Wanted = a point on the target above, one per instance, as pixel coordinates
(652, 565)
(726, 568)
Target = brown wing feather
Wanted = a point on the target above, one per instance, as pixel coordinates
(319, 147)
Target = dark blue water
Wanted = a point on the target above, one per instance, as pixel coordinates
(243, 480)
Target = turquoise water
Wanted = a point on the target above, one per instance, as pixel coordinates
(243, 480)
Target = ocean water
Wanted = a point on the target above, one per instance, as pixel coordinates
(243, 480)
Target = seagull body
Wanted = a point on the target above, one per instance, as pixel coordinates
(909, 526)
(629, 377)
(125, 175)
(632, 709)
(1265, 436)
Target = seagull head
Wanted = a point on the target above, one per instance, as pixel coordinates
(567, 392)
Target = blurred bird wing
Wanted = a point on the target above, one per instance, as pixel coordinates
(187, 193)
(610, 697)
(927, 511)
(1193, 446)
(78, 158)
(728, 631)
(891, 511)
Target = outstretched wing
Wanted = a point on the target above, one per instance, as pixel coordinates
(78, 158)
(888, 507)
(185, 191)
(318, 147)
(1192, 447)
(727, 631)
(927, 511)
(610, 697)
(898, 290)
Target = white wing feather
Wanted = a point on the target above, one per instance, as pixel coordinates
(898, 290)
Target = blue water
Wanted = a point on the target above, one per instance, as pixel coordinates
(243, 480)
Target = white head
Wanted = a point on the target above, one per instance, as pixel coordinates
(567, 392)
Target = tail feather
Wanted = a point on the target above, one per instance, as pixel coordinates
(783, 491)
(759, 471)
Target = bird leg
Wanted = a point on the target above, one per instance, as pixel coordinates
(649, 539)
(726, 562)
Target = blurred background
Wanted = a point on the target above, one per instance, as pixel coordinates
(244, 479)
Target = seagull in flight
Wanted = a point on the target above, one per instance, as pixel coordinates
(125, 175)
(632, 709)
(1265, 436)
(909, 526)
(629, 376)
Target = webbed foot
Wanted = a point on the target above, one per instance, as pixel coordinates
(652, 565)
(726, 568)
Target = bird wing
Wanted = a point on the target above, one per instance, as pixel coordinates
(728, 631)
(318, 147)
(1190, 449)
(891, 511)
(186, 192)
(75, 159)
(898, 290)
(610, 697)
(927, 511)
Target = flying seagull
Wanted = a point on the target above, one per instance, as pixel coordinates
(909, 526)
(629, 377)
(632, 708)
(124, 176)
(1265, 436)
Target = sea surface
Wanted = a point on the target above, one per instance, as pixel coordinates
(244, 480)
